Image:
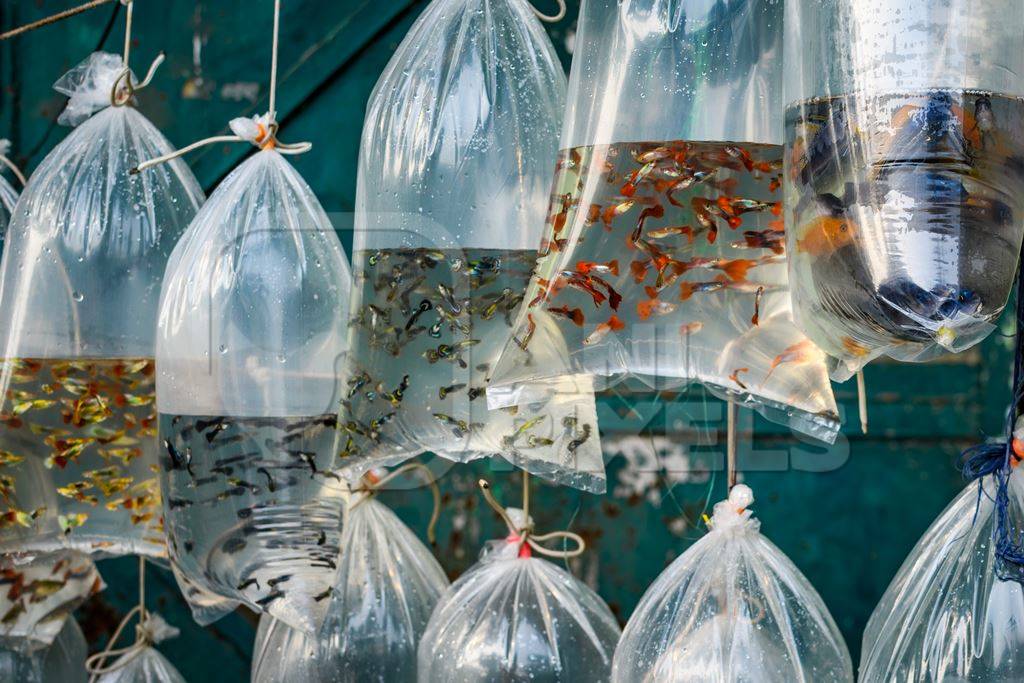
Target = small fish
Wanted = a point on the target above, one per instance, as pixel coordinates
(687, 329)
(824, 235)
(656, 211)
(662, 233)
(264, 601)
(615, 210)
(587, 267)
(395, 397)
(574, 314)
(424, 306)
(635, 178)
(756, 318)
(250, 582)
(801, 352)
(644, 309)
(444, 391)
(535, 441)
(580, 440)
(459, 427)
(735, 377)
(602, 330)
(774, 240)
(323, 596)
(531, 327)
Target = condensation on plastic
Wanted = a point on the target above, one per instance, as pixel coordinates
(904, 194)
(146, 665)
(513, 618)
(945, 616)
(388, 584)
(63, 661)
(732, 607)
(460, 139)
(665, 223)
(40, 593)
(251, 327)
(84, 257)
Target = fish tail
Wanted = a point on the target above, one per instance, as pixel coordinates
(613, 266)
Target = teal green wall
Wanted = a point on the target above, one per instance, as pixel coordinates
(847, 516)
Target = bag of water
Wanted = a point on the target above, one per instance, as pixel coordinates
(460, 138)
(251, 327)
(83, 261)
(664, 258)
(732, 608)
(904, 187)
(62, 661)
(946, 616)
(388, 584)
(517, 617)
(8, 195)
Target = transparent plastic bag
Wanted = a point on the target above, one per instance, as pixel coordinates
(8, 196)
(145, 664)
(905, 195)
(664, 256)
(63, 661)
(388, 584)
(732, 608)
(945, 616)
(251, 327)
(38, 595)
(460, 136)
(82, 266)
(514, 617)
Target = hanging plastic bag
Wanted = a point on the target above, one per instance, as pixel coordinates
(732, 608)
(63, 661)
(83, 261)
(517, 617)
(664, 258)
(460, 137)
(38, 595)
(388, 584)
(905, 195)
(946, 615)
(142, 663)
(252, 324)
(8, 195)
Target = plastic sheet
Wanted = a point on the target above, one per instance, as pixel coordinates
(905, 192)
(145, 664)
(251, 327)
(38, 595)
(81, 272)
(732, 608)
(455, 164)
(664, 255)
(388, 584)
(63, 661)
(945, 616)
(513, 617)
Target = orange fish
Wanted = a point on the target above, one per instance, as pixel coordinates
(575, 314)
(639, 270)
(801, 352)
(612, 212)
(735, 377)
(687, 329)
(825, 235)
(644, 309)
(586, 267)
(602, 330)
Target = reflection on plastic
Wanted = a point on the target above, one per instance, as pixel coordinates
(63, 660)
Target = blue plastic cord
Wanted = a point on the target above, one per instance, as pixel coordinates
(978, 462)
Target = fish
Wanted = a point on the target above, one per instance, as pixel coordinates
(655, 211)
(687, 329)
(773, 240)
(635, 178)
(800, 352)
(459, 427)
(613, 211)
(424, 306)
(395, 397)
(575, 314)
(444, 391)
(644, 309)
(756, 318)
(669, 231)
(580, 440)
(825, 235)
(531, 327)
(601, 331)
(587, 267)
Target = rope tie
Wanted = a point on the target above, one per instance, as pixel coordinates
(5, 150)
(551, 18)
(372, 485)
(527, 540)
(54, 18)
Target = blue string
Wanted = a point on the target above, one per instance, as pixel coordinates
(995, 459)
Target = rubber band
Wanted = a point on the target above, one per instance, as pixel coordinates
(526, 535)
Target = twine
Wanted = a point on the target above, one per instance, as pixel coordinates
(862, 401)
(96, 664)
(54, 18)
(551, 18)
(371, 488)
(525, 534)
(6, 161)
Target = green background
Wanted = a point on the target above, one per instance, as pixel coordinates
(846, 515)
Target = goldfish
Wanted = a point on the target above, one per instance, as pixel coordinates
(801, 352)
(575, 314)
(824, 235)
(602, 330)
(587, 267)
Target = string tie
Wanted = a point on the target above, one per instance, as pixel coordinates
(5, 151)
(372, 485)
(524, 535)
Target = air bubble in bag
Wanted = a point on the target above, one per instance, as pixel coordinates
(460, 138)
(946, 616)
(251, 327)
(904, 187)
(388, 584)
(62, 661)
(513, 617)
(732, 609)
(664, 258)
(83, 261)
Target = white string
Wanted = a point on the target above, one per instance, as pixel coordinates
(273, 60)
(129, 5)
(551, 18)
(730, 444)
(96, 665)
(14, 169)
(862, 401)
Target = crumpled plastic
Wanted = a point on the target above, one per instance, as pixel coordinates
(387, 587)
(146, 664)
(62, 661)
(513, 616)
(732, 608)
(89, 86)
(945, 615)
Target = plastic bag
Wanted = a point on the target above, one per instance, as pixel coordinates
(664, 257)
(38, 595)
(388, 584)
(946, 616)
(8, 196)
(251, 327)
(145, 664)
(461, 133)
(63, 661)
(516, 617)
(732, 608)
(905, 195)
(81, 272)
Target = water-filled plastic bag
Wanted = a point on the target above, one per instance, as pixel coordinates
(39, 594)
(946, 616)
(251, 328)
(83, 261)
(904, 187)
(388, 584)
(731, 608)
(145, 664)
(517, 617)
(460, 139)
(62, 661)
(8, 198)
(664, 257)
